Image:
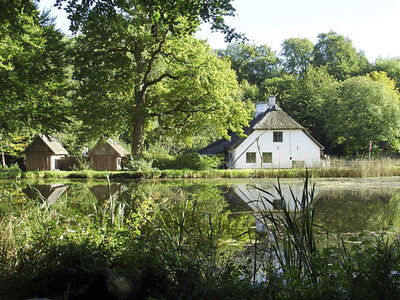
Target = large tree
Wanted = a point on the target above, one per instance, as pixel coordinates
(33, 74)
(367, 108)
(339, 56)
(251, 62)
(200, 91)
(297, 55)
(305, 99)
(123, 52)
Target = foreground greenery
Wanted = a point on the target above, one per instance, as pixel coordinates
(177, 246)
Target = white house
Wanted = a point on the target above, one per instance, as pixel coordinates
(274, 140)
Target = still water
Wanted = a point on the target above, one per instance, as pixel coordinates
(340, 205)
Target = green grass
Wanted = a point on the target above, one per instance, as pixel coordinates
(377, 168)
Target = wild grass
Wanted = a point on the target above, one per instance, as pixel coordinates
(303, 266)
(176, 248)
(338, 168)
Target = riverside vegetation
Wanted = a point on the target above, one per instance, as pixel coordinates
(192, 247)
(205, 168)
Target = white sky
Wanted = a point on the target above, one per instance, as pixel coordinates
(372, 25)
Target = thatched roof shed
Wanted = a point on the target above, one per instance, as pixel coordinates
(107, 155)
(43, 153)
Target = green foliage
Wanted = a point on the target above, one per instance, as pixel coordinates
(364, 110)
(339, 56)
(33, 72)
(389, 66)
(297, 54)
(192, 161)
(144, 66)
(251, 63)
(140, 165)
(11, 168)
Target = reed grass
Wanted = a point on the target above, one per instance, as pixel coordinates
(363, 267)
(337, 168)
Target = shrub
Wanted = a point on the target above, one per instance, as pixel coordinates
(193, 161)
(140, 165)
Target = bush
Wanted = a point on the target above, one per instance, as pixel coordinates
(140, 165)
(193, 161)
(13, 167)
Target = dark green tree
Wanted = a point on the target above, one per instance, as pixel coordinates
(124, 50)
(297, 54)
(366, 109)
(305, 101)
(252, 63)
(339, 56)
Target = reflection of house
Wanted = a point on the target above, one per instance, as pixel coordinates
(255, 199)
(274, 140)
(107, 155)
(47, 192)
(103, 192)
(267, 200)
(44, 153)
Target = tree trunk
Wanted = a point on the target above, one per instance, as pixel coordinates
(3, 159)
(138, 137)
(139, 121)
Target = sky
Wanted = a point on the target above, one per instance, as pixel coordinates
(372, 25)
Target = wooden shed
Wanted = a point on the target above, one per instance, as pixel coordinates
(44, 153)
(107, 155)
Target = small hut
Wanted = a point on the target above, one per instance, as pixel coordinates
(44, 153)
(107, 155)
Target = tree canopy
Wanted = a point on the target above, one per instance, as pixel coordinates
(365, 110)
(339, 56)
(297, 55)
(252, 63)
(123, 51)
(33, 73)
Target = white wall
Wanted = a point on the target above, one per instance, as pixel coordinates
(296, 146)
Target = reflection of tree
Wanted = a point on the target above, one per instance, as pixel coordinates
(354, 211)
(202, 205)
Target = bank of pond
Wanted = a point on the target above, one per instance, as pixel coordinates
(335, 169)
(200, 239)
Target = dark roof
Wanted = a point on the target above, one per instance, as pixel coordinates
(274, 118)
(117, 146)
(54, 145)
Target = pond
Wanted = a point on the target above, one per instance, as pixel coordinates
(57, 236)
(340, 205)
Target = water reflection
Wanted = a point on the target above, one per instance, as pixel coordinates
(104, 192)
(339, 206)
(256, 196)
(48, 193)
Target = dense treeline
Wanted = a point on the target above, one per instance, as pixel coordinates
(330, 88)
(134, 70)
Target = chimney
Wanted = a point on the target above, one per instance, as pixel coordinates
(260, 108)
(271, 101)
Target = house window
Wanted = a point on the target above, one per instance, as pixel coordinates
(278, 137)
(119, 163)
(267, 157)
(250, 157)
